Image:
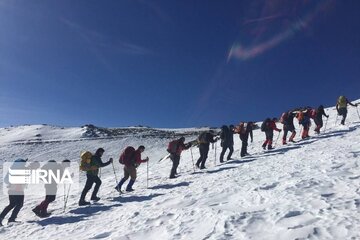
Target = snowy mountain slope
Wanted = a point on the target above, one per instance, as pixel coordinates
(310, 189)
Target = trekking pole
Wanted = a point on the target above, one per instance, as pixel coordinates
(326, 124)
(336, 119)
(67, 196)
(192, 158)
(277, 139)
(112, 163)
(147, 174)
(215, 152)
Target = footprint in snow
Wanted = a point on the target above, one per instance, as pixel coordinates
(292, 214)
(327, 195)
(102, 235)
(268, 187)
(355, 177)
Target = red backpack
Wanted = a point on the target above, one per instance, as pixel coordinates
(242, 128)
(127, 155)
(172, 147)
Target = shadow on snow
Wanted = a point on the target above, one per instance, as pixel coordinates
(80, 214)
(170, 186)
(131, 198)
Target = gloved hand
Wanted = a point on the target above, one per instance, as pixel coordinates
(146, 159)
(111, 160)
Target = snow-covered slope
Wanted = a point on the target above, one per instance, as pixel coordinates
(309, 189)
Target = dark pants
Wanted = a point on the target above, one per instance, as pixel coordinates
(204, 150)
(288, 128)
(175, 160)
(342, 112)
(91, 179)
(319, 124)
(16, 203)
(224, 148)
(244, 143)
(269, 138)
(305, 132)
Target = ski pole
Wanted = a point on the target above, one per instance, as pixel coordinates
(336, 119)
(112, 163)
(215, 153)
(192, 158)
(67, 196)
(326, 124)
(147, 174)
(277, 139)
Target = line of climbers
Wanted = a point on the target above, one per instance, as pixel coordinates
(131, 158)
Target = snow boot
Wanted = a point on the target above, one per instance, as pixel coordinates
(129, 186)
(95, 199)
(12, 220)
(264, 146)
(37, 211)
(1, 222)
(83, 203)
(118, 187)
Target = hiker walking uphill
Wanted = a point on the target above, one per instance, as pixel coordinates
(227, 141)
(268, 126)
(318, 118)
(341, 107)
(244, 130)
(303, 116)
(16, 191)
(204, 140)
(50, 189)
(175, 148)
(287, 118)
(91, 165)
(131, 159)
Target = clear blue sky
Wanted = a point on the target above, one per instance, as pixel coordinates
(173, 63)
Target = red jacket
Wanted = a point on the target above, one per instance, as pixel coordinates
(272, 126)
(137, 157)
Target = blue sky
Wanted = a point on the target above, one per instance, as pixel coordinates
(173, 63)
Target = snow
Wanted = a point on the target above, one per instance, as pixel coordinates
(306, 190)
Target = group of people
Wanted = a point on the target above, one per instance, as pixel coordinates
(131, 158)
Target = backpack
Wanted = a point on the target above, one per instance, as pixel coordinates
(342, 102)
(242, 127)
(127, 155)
(312, 113)
(85, 162)
(284, 117)
(265, 125)
(172, 147)
(202, 138)
(300, 116)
